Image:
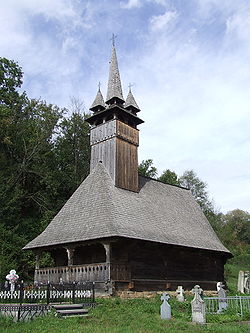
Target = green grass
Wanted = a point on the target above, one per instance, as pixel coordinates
(129, 316)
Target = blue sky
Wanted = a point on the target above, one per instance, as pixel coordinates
(188, 60)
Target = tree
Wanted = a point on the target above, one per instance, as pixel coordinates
(72, 150)
(198, 188)
(169, 177)
(147, 169)
(238, 221)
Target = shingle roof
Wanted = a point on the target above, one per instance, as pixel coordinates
(159, 212)
(98, 103)
(130, 101)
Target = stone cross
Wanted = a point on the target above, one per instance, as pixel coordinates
(165, 307)
(244, 282)
(222, 297)
(12, 277)
(198, 306)
(180, 296)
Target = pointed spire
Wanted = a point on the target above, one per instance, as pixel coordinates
(98, 104)
(130, 103)
(114, 93)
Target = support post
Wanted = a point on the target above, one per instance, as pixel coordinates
(107, 248)
(38, 257)
(70, 253)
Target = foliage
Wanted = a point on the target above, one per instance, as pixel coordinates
(169, 177)
(129, 316)
(147, 169)
(198, 188)
(44, 155)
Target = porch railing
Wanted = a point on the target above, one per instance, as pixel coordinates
(90, 272)
(93, 272)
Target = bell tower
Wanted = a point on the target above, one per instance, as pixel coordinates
(114, 137)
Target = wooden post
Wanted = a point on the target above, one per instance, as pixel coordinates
(107, 248)
(70, 253)
(38, 256)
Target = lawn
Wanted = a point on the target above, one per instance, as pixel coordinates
(117, 315)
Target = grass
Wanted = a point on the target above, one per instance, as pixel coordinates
(117, 315)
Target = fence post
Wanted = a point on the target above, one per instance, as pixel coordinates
(21, 292)
(73, 292)
(48, 291)
(93, 292)
(241, 308)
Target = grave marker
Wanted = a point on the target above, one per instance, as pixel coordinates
(222, 297)
(198, 306)
(165, 307)
(180, 296)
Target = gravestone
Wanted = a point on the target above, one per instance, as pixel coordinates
(198, 306)
(222, 297)
(165, 307)
(12, 277)
(244, 282)
(180, 296)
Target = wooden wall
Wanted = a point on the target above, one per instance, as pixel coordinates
(115, 144)
(169, 265)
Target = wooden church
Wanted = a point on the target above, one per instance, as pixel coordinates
(124, 230)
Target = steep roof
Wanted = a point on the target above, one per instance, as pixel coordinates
(98, 103)
(159, 212)
(114, 82)
(130, 102)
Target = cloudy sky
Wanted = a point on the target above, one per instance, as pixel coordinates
(188, 61)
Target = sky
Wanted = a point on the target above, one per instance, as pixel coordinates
(188, 62)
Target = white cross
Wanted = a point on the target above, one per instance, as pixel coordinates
(165, 297)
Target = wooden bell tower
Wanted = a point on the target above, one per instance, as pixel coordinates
(114, 137)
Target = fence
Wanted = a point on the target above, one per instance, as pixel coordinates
(238, 304)
(51, 293)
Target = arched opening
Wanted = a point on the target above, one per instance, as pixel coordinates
(89, 254)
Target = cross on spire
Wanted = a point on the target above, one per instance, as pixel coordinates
(130, 86)
(99, 85)
(113, 39)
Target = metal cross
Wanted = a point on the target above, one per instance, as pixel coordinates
(113, 39)
(99, 85)
(130, 86)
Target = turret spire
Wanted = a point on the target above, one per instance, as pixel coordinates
(114, 93)
(130, 103)
(98, 104)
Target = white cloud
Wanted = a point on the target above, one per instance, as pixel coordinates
(159, 22)
(238, 24)
(131, 4)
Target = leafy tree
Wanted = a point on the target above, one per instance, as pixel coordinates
(198, 188)
(72, 150)
(238, 222)
(43, 158)
(147, 169)
(169, 177)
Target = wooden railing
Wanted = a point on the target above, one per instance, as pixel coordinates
(91, 272)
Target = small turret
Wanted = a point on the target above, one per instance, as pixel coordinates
(98, 104)
(130, 103)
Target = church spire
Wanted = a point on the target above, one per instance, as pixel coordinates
(114, 93)
(98, 104)
(130, 103)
